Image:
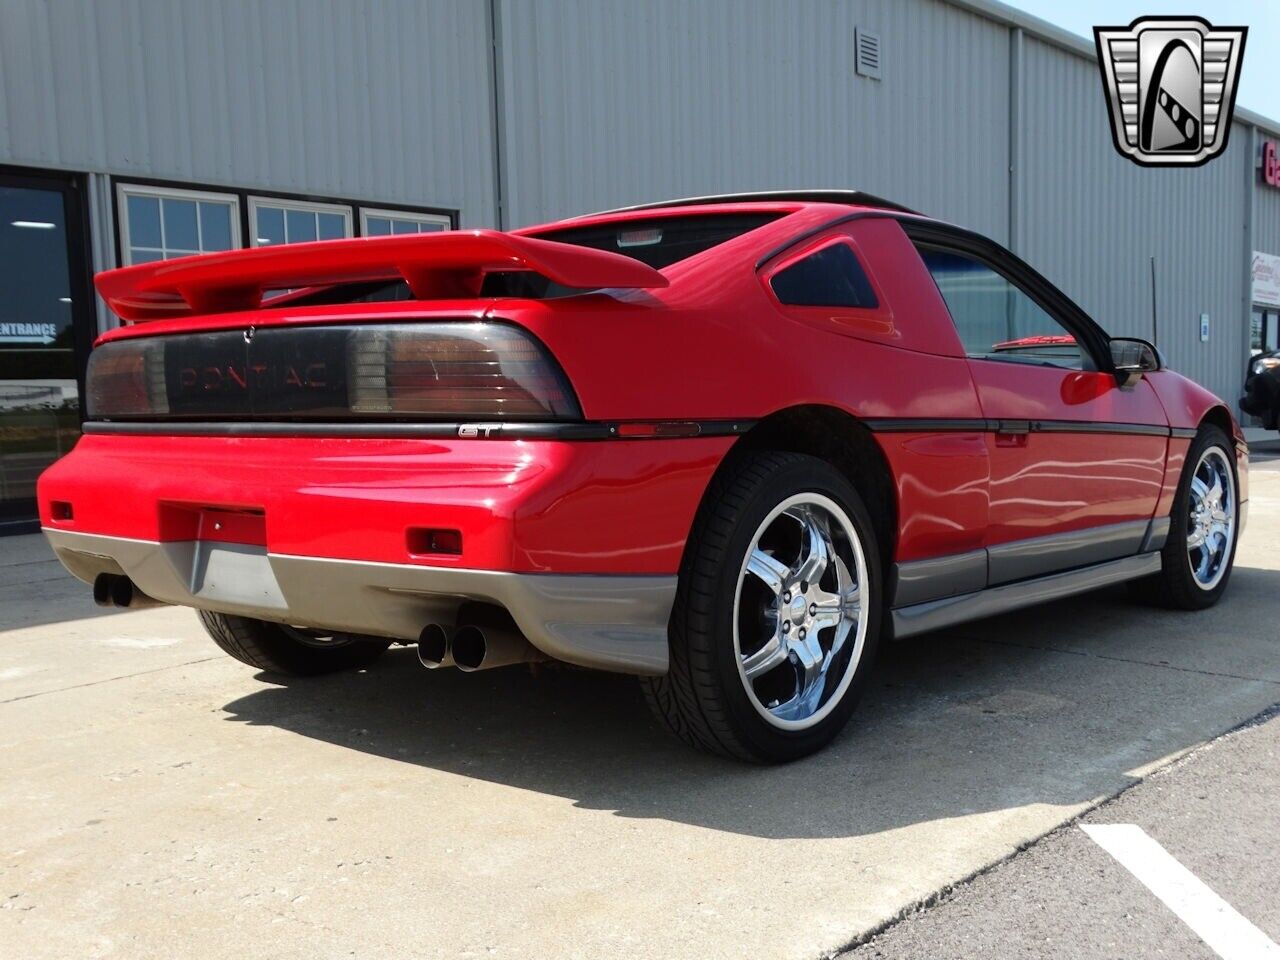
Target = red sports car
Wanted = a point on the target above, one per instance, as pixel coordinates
(727, 444)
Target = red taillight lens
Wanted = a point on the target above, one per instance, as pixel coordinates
(463, 371)
(126, 379)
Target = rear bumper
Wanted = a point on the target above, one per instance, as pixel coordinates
(616, 622)
(525, 506)
(579, 541)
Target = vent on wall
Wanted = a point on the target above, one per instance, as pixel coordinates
(868, 53)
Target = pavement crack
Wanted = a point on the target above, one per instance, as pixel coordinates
(95, 683)
(1114, 659)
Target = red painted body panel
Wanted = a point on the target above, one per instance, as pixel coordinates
(713, 344)
(1186, 404)
(942, 482)
(1045, 483)
(601, 507)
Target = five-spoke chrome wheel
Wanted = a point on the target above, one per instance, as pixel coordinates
(800, 613)
(1211, 520)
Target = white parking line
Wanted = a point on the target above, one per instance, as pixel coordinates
(1211, 918)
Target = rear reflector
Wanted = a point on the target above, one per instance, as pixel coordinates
(422, 541)
(454, 371)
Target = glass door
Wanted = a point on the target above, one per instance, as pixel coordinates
(46, 322)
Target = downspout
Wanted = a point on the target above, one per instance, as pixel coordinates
(497, 109)
(1015, 137)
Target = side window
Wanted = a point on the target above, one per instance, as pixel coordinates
(995, 319)
(830, 277)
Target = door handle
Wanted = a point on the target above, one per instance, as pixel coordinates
(1012, 433)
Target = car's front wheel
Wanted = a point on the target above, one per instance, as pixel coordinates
(290, 651)
(1198, 556)
(777, 612)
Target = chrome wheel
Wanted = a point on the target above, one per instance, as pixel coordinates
(1211, 520)
(800, 612)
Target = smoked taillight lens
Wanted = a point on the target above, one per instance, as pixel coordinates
(452, 371)
(127, 379)
(461, 371)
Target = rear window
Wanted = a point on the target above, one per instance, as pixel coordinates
(657, 241)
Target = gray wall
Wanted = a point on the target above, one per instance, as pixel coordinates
(610, 102)
(1266, 208)
(1090, 220)
(380, 100)
(599, 103)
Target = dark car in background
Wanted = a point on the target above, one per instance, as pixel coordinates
(1262, 389)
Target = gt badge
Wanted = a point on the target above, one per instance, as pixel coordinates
(470, 431)
(1171, 87)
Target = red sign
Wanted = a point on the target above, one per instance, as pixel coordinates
(1270, 165)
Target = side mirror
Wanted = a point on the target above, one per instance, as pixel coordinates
(1131, 358)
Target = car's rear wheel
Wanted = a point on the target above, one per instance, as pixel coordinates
(777, 612)
(1197, 558)
(292, 651)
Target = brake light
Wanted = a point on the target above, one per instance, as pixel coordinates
(127, 379)
(457, 370)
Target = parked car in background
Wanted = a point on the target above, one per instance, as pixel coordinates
(1262, 389)
(727, 444)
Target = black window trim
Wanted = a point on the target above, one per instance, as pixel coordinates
(1091, 337)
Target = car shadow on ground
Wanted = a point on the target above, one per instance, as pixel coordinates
(1056, 705)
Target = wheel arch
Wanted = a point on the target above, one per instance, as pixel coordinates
(840, 439)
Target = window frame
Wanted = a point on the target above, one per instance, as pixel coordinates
(127, 188)
(391, 213)
(1093, 340)
(242, 225)
(255, 201)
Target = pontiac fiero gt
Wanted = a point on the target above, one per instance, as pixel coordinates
(727, 444)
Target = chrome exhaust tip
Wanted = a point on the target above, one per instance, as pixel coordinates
(488, 638)
(114, 590)
(433, 647)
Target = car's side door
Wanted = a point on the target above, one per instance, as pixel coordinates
(1077, 460)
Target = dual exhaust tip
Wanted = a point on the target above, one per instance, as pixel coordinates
(486, 637)
(117, 590)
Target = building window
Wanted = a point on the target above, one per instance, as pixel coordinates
(273, 221)
(380, 223)
(159, 223)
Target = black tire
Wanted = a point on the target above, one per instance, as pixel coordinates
(1175, 586)
(702, 699)
(276, 648)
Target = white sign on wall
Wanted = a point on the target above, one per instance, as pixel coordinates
(1266, 279)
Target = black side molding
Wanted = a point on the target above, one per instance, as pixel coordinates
(621, 430)
(944, 425)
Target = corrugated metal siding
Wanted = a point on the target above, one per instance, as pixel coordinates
(382, 100)
(1090, 220)
(611, 102)
(1266, 207)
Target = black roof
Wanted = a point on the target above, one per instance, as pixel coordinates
(851, 197)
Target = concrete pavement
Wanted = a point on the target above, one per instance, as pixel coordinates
(1214, 811)
(157, 799)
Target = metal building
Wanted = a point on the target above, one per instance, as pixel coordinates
(140, 129)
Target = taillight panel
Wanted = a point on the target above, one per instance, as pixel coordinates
(452, 371)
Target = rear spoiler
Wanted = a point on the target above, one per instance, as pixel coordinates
(435, 265)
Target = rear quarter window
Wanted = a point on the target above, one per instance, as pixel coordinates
(830, 277)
